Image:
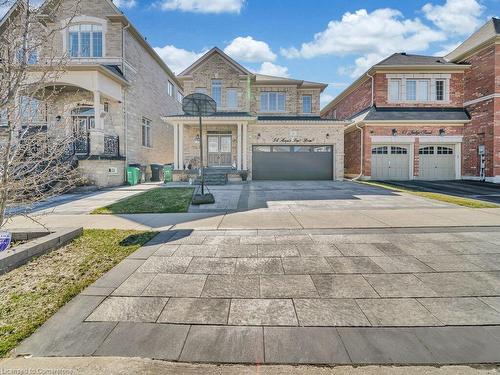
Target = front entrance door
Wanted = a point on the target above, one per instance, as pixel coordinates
(219, 150)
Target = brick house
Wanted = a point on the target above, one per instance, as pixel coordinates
(426, 117)
(114, 89)
(266, 126)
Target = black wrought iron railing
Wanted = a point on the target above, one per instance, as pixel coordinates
(81, 145)
(111, 145)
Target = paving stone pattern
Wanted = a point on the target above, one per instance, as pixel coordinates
(318, 296)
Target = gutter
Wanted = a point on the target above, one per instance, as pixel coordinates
(362, 133)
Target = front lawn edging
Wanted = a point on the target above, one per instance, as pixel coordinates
(39, 243)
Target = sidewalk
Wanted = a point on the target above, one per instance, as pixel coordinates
(269, 219)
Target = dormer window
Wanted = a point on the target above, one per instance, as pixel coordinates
(85, 40)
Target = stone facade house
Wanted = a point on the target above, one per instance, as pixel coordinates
(114, 89)
(267, 126)
(426, 117)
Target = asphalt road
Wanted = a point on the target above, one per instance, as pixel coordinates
(484, 191)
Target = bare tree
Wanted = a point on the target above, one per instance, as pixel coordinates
(36, 142)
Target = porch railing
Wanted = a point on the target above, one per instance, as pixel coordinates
(81, 145)
(111, 145)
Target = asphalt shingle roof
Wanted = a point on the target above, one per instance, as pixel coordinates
(406, 59)
(416, 114)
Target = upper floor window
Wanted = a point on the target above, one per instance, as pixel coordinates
(85, 40)
(29, 109)
(272, 101)
(217, 91)
(146, 132)
(170, 88)
(232, 98)
(306, 103)
(395, 90)
(417, 90)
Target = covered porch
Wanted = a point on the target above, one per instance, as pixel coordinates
(224, 139)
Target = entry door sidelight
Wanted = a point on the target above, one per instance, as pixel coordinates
(219, 150)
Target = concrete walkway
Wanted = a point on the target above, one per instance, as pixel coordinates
(319, 296)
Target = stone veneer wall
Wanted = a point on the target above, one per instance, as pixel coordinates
(97, 172)
(316, 132)
(147, 97)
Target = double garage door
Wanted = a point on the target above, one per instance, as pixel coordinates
(392, 162)
(308, 162)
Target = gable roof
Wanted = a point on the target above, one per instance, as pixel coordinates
(274, 80)
(487, 33)
(206, 56)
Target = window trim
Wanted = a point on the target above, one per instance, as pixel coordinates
(70, 21)
(91, 40)
(146, 142)
(403, 83)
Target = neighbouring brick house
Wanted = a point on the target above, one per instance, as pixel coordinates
(114, 88)
(267, 126)
(426, 117)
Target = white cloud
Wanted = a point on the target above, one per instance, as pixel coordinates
(203, 6)
(447, 48)
(125, 4)
(382, 31)
(177, 59)
(373, 35)
(249, 50)
(324, 99)
(271, 69)
(461, 17)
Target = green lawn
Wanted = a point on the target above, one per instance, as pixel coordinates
(160, 200)
(460, 201)
(32, 293)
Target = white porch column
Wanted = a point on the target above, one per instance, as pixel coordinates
(181, 146)
(176, 146)
(97, 133)
(238, 148)
(245, 146)
(97, 111)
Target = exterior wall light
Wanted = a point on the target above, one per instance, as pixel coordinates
(394, 132)
(327, 135)
(197, 139)
(442, 132)
(258, 135)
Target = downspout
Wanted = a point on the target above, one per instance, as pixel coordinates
(362, 133)
(124, 105)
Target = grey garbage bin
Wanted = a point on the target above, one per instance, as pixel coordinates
(156, 172)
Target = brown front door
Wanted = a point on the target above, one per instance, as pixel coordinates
(219, 150)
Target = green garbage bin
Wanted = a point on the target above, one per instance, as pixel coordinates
(167, 173)
(133, 175)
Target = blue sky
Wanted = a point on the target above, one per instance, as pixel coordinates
(329, 41)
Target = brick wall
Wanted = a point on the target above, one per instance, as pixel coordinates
(359, 99)
(352, 150)
(481, 80)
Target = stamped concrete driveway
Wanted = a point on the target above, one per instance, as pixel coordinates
(379, 296)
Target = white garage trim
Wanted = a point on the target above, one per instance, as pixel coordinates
(391, 139)
(440, 139)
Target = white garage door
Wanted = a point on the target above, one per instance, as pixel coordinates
(437, 162)
(390, 162)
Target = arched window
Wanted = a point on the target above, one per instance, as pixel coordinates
(85, 40)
